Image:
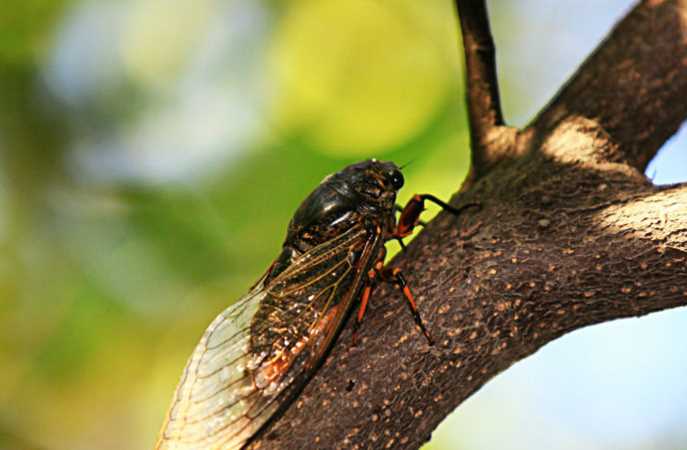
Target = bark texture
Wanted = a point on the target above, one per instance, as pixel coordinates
(571, 233)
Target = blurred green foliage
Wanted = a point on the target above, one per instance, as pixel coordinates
(115, 257)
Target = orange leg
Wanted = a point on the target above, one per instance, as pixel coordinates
(410, 214)
(396, 277)
(364, 298)
(366, 294)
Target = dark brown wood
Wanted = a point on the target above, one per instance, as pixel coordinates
(490, 140)
(570, 234)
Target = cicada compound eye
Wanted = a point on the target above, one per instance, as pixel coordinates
(396, 179)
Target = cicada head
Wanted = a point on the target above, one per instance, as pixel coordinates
(375, 183)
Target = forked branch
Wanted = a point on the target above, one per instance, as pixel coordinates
(490, 140)
(633, 88)
(571, 234)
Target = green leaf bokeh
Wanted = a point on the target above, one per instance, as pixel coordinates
(147, 177)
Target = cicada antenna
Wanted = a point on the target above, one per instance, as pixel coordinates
(403, 166)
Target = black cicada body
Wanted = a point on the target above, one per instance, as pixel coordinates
(261, 351)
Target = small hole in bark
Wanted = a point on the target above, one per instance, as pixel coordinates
(350, 385)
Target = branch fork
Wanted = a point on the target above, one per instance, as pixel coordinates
(572, 234)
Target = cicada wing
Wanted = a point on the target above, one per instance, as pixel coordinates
(262, 349)
(211, 403)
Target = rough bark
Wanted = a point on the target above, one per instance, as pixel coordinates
(571, 234)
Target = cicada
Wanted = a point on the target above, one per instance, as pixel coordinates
(258, 353)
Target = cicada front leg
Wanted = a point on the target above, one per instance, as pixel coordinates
(410, 214)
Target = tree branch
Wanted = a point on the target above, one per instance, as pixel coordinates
(633, 86)
(491, 141)
(525, 279)
(572, 235)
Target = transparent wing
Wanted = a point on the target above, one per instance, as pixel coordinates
(263, 348)
(214, 384)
